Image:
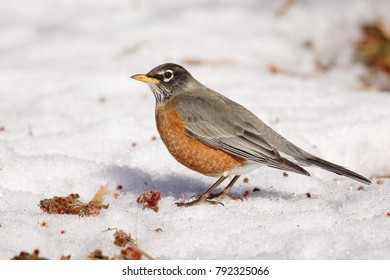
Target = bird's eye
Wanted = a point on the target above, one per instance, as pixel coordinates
(168, 75)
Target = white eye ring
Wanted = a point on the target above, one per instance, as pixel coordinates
(168, 75)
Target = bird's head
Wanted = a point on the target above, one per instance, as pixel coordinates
(166, 80)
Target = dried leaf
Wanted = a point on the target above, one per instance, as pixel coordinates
(97, 255)
(27, 256)
(285, 7)
(101, 193)
(373, 50)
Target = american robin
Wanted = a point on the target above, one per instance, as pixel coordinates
(213, 135)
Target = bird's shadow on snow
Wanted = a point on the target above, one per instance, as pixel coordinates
(135, 180)
(273, 194)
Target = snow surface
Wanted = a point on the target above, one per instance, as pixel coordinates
(70, 114)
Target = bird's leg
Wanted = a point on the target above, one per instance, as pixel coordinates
(225, 192)
(204, 198)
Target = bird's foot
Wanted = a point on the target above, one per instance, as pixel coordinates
(198, 200)
(218, 196)
(223, 194)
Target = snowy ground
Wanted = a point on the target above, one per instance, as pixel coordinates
(70, 115)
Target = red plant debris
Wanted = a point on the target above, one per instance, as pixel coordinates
(380, 182)
(119, 187)
(65, 258)
(62, 231)
(360, 188)
(388, 214)
(115, 195)
(70, 205)
(122, 238)
(132, 252)
(154, 138)
(180, 202)
(150, 200)
(246, 193)
(43, 224)
(2, 128)
(27, 256)
(134, 144)
(129, 253)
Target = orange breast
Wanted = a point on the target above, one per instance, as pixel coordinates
(188, 151)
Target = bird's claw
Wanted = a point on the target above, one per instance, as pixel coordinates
(197, 201)
(224, 195)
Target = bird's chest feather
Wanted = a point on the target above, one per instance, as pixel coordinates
(189, 151)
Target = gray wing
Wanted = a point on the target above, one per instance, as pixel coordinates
(223, 124)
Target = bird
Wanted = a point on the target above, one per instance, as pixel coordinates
(215, 136)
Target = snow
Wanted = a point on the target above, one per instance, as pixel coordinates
(70, 114)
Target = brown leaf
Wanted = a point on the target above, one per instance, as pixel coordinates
(27, 256)
(97, 255)
(373, 50)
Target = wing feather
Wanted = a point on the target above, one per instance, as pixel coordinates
(227, 130)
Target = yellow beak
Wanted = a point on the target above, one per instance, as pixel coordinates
(144, 78)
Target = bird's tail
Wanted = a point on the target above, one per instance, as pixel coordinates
(336, 169)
